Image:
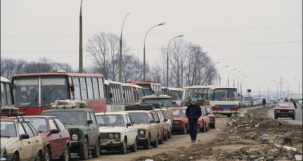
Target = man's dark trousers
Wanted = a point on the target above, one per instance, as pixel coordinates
(193, 123)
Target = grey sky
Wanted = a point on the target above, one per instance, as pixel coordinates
(261, 38)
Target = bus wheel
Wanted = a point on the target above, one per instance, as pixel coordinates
(228, 115)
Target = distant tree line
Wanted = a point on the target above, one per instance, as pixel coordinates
(188, 63)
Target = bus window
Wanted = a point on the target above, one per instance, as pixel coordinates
(26, 86)
(95, 88)
(83, 88)
(89, 88)
(52, 89)
(101, 90)
(77, 88)
(6, 94)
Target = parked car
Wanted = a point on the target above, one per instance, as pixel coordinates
(160, 124)
(180, 121)
(148, 130)
(167, 119)
(211, 116)
(285, 109)
(117, 131)
(55, 136)
(20, 140)
(203, 121)
(81, 124)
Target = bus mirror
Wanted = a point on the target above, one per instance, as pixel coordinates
(72, 88)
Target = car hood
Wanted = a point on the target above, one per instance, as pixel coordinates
(141, 126)
(281, 108)
(74, 126)
(5, 141)
(106, 129)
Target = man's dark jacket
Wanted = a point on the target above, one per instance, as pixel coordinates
(193, 112)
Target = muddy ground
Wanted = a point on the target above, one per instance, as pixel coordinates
(251, 135)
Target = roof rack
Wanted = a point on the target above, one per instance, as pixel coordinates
(11, 111)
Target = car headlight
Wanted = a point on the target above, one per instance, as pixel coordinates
(75, 137)
(277, 110)
(117, 136)
(111, 136)
(141, 132)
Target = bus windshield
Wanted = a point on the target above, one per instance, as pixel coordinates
(176, 95)
(29, 92)
(199, 93)
(225, 94)
(146, 89)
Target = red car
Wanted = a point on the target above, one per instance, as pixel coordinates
(203, 120)
(55, 136)
(211, 116)
(180, 122)
(285, 109)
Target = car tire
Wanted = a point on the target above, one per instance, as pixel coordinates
(83, 150)
(214, 126)
(293, 117)
(96, 151)
(184, 131)
(134, 147)
(15, 157)
(66, 154)
(169, 134)
(39, 157)
(161, 141)
(156, 143)
(147, 143)
(47, 155)
(123, 147)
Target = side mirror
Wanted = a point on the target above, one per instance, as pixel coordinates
(54, 131)
(165, 120)
(24, 136)
(89, 121)
(158, 121)
(128, 124)
(72, 88)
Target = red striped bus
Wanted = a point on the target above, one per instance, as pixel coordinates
(35, 92)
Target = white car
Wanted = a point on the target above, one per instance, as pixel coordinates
(20, 140)
(117, 131)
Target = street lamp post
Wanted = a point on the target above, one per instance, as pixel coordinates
(120, 60)
(80, 42)
(144, 73)
(229, 73)
(168, 57)
(220, 73)
(234, 82)
(267, 91)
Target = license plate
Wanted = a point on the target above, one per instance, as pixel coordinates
(226, 109)
(103, 143)
(284, 115)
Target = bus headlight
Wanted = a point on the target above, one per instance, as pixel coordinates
(75, 137)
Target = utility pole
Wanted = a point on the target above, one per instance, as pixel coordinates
(80, 43)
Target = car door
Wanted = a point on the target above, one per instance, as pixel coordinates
(38, 143)
(33, 140)
(94, 128)
(25, 144)
(64, 134)
(55, 138)
(133, 131)
(154, 126)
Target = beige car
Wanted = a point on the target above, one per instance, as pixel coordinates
(148, 130)
(117, 131)
(20, 140)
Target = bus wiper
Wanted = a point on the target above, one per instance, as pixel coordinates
(35, 100)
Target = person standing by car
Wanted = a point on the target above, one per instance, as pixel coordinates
(291, 100)
(264, 102)
(193, 113)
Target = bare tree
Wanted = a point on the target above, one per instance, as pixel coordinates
(10, 67)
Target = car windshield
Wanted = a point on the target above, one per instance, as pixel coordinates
(209, 110)
(110, 120)
(8, 129)
(179, 112)
(165, 101)
(70, 117)
(285, 105)
(139, 117)
(225, 94)
(39, 123)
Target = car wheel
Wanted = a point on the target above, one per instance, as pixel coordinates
(39, 157)
(184, 131)
(123, 147)
(96, 151)
(47, 156)
(147, 143)
(156, 143)
(214, 126)
(293, 117)
(134, 147)
(15, 157)
(161, 141)
(83, 150)
(66, 154)
(169, 134)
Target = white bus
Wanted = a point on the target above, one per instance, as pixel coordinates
(176, 93)
(222, 99)
(120, 94)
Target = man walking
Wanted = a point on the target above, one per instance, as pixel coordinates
(193, 113)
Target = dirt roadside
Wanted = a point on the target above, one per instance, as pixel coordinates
(251, 135)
